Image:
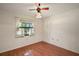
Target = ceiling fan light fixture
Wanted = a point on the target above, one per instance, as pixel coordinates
(38, 15)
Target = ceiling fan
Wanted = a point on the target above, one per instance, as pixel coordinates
(39, 9)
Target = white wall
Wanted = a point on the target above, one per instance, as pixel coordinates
(8, 41)
(63, 29)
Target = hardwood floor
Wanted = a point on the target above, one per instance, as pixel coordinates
(40, 49)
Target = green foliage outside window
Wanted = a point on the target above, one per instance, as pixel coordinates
(24, 29)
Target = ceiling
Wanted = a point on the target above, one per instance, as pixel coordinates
(23, 8)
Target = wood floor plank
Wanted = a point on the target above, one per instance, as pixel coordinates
(40, 49)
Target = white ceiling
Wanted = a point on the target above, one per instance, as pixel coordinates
(23, 8)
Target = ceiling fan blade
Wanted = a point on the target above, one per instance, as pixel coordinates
(44, 8)
(32, 9)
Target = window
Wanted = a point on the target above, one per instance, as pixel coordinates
(24, 29)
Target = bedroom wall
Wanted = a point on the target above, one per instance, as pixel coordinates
(8, 41)
(63, 29)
